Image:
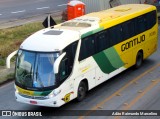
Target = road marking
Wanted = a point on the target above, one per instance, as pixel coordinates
(119, 91)
(41, 8)
(61, 5)
(18, 12)
(140, 96)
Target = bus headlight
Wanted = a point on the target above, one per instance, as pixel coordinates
(16, 89)
(54, 93)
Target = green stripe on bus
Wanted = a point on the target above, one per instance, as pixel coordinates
(44, 93)
(108, 60)
(114, 57)
(104, 63)
(92, 32)
(87, 34)
(97, 30)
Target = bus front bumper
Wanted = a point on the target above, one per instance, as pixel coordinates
(51, 102)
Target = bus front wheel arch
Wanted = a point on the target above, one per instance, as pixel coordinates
(139, 59)
(82, 90)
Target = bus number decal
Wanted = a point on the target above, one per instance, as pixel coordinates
(152, 33)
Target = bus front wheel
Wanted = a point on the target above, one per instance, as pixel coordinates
(82, 90)
(139, 59)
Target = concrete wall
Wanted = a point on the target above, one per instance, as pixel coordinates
(98, 5)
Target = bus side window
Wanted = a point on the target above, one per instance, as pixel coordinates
(140, 24)
(64, 69)
(128, 29)
(70, 55)
(101, 41)
(74, 48)
(107, 39)
(151, 19)
(83, 50)
(87, 47)
(115, 35)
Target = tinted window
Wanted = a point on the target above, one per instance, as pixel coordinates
(115, 35)
(73, 49)
(151, 19)
(87, 47)
(141, 24)
(101, 41)
(128, 29)
(70, 55)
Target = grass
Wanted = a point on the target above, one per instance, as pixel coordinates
(11, 38)
(2, 62)
(7, 78)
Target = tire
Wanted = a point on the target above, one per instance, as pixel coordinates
(139, 60)
(82, 90)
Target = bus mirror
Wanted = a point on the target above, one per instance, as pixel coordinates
(57, 62)
(8, 62)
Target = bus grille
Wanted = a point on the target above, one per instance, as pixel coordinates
(34, 97)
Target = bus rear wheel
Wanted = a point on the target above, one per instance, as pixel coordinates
(139, 59)
(82, 90)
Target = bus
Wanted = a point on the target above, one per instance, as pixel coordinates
(58, 64)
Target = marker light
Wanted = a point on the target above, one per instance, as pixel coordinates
(54, 93)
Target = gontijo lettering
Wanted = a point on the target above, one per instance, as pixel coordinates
(132, 43)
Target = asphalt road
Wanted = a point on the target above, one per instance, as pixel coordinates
(131, 90)
(11, 10)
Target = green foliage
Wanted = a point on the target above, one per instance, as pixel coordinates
(2, 62)
(10, 76)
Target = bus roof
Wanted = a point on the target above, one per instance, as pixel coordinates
(121, 13)
(57, 38)
(49, 40)
(122, 10)
(106, 18)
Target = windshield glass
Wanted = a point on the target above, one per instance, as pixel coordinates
(35, 70)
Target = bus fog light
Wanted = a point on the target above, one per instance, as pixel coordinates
(51, 95)
(15, 87)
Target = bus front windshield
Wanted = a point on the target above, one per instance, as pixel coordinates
(35, 70)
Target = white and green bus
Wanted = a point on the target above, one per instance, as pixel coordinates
(58, 64)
